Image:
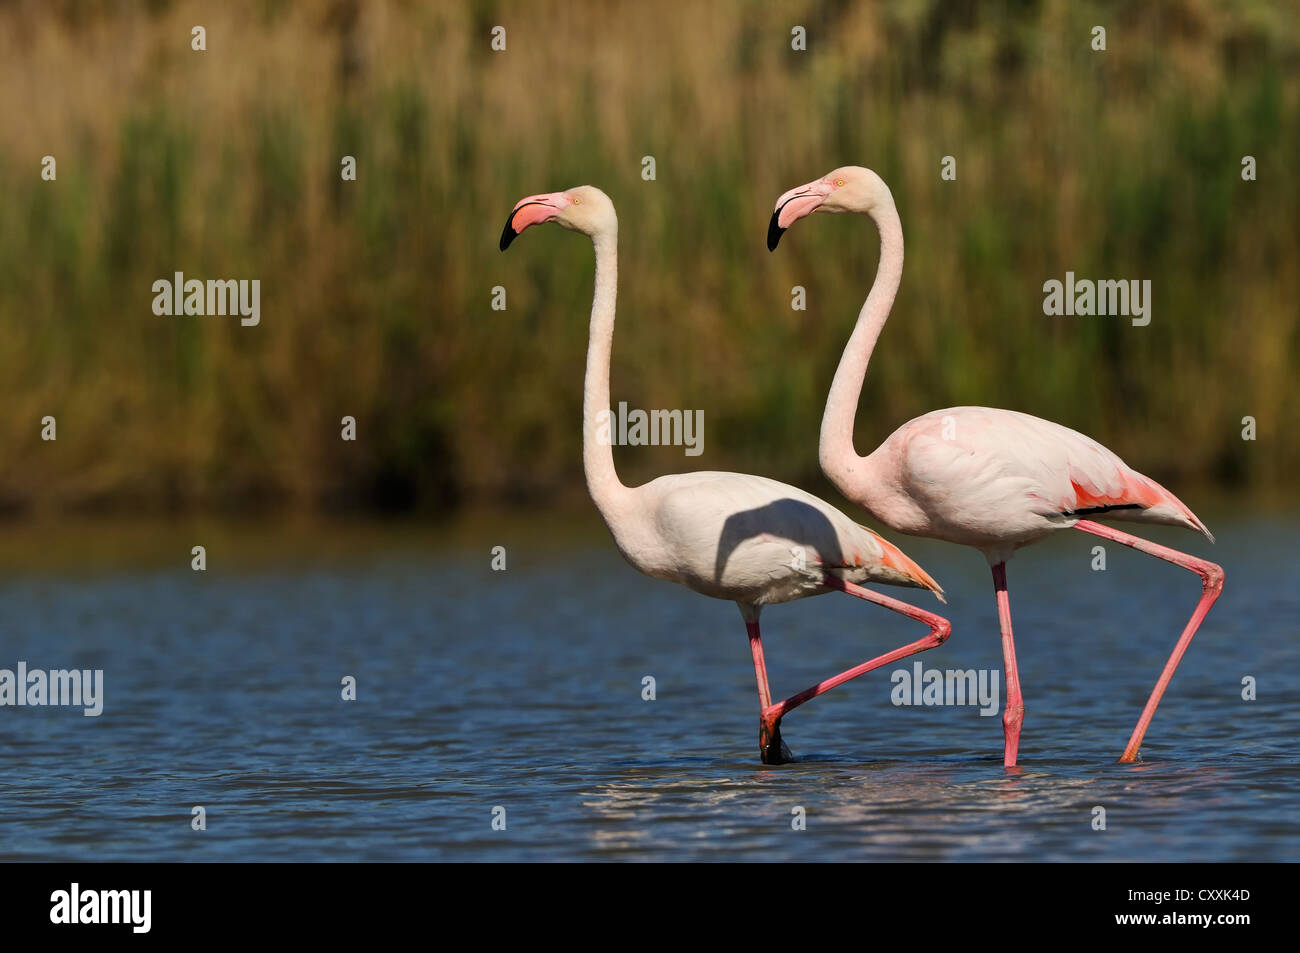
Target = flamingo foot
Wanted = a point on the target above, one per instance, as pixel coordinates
(771, 747)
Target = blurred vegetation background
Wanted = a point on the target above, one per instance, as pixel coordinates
(376, 294)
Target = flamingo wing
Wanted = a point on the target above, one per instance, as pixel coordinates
(748, 538)
(980, 473)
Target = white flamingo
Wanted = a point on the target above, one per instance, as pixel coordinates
(993, 479)
(728, 535)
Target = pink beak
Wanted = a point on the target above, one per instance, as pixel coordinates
(532, 211)
(793, 206)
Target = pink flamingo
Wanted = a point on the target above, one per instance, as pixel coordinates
(993, 479)
(728, 535)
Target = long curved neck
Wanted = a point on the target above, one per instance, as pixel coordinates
(597, 450)
(839, 460)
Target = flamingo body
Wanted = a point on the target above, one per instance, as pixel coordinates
(754, 541)
(998, 480)
(732, 536)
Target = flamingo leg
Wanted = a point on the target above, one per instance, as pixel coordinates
(772, 749)
(1013, 715)
(1211, 585)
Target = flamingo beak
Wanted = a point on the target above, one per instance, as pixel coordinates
(793, 206)
(531, 211)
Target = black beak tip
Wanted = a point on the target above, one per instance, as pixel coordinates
(774, 233)
(508, 234)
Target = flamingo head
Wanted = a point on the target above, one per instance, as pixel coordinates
(848, 189)
(583, 209)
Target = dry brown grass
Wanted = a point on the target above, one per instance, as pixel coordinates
(376, 293)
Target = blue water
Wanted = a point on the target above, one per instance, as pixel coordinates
(523, 690)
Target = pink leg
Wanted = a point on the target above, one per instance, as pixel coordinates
(1211, 585)
(760, 666)
(1013, 715)
(772, 749)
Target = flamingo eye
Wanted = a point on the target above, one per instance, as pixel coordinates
(577, 200)
(839, 183)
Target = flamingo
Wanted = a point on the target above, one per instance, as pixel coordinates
(996, 480)
(731, 536)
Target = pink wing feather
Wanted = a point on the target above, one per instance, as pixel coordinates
(980, 476)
